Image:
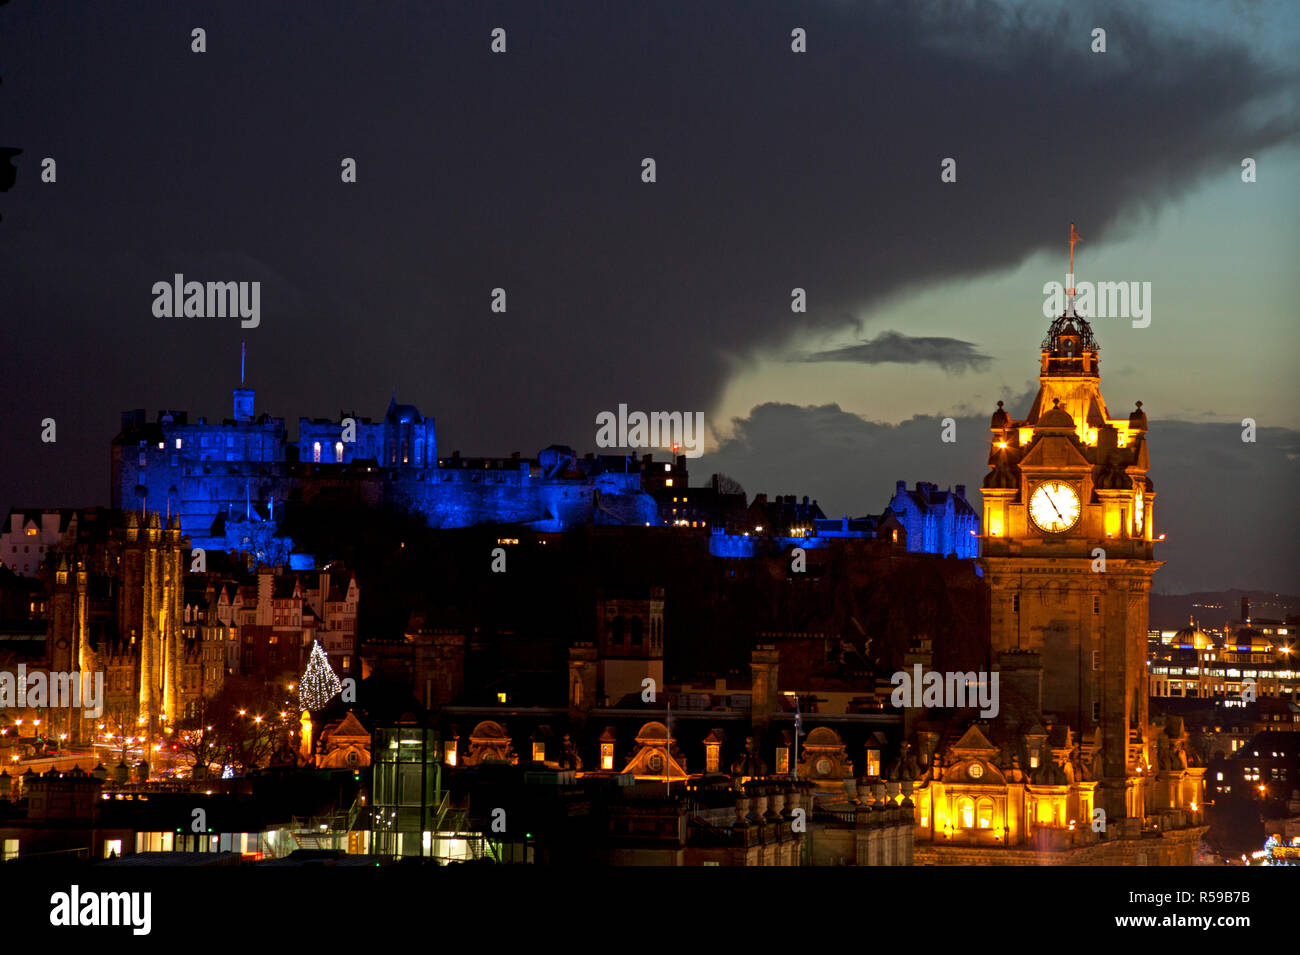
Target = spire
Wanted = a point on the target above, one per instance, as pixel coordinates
(1074, 239)
(1070, 348)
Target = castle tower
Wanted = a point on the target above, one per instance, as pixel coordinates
(243, 397)
(1068, 554)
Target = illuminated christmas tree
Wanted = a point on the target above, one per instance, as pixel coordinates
(319, 684)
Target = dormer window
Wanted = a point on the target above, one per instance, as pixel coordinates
(606, 756)
(712, 757)
(783, 760)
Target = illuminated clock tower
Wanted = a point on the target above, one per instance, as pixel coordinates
(1068, 554)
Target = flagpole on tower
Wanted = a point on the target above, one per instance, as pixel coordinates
(1074, 239)
(798, 731)
(668, 748)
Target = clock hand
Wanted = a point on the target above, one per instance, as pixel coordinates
(1048, 495)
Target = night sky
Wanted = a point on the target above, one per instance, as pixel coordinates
(775, 170)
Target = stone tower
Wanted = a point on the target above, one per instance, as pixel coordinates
(150, 612)
(630, 645)
(1068, 555)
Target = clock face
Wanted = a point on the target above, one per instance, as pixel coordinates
(1054, 507)
(823, 767)
(976, 770)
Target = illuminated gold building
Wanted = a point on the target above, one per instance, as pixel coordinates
(1067, 552)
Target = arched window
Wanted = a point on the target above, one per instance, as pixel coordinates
(338, 451)
(966, 813)
(616, 631)
(984, 814)
(636, 631)
(315, 452)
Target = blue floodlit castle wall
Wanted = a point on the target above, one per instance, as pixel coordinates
(219, 477)
(937, 522)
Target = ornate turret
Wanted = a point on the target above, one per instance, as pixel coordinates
(1070, 348)
(1000, 419)
(1137, 420)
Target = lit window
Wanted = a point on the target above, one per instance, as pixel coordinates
(315, 452)
(669, 483)
(178, 444)
(668, 467)
(966, 812)
(873, 762)
(711, 751)
(606, 755)
(450, 751)
(782, 760)
(338, 451)
(539, 752)
(501, 697)
(985, 814)
(895, 535)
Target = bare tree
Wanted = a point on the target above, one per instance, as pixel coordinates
(726, 484)
(198, 737)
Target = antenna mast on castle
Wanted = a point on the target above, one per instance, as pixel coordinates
(1074, 239)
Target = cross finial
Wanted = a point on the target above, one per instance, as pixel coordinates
(1074, 239)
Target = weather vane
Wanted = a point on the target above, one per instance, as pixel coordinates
(1074, 238)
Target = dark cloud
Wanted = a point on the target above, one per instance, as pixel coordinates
(950, 354)
(522, 171)
(1228, 508)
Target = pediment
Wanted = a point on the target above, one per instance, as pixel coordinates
(647, 763)
(974, 772)
(973, 743)
(1055, 451)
